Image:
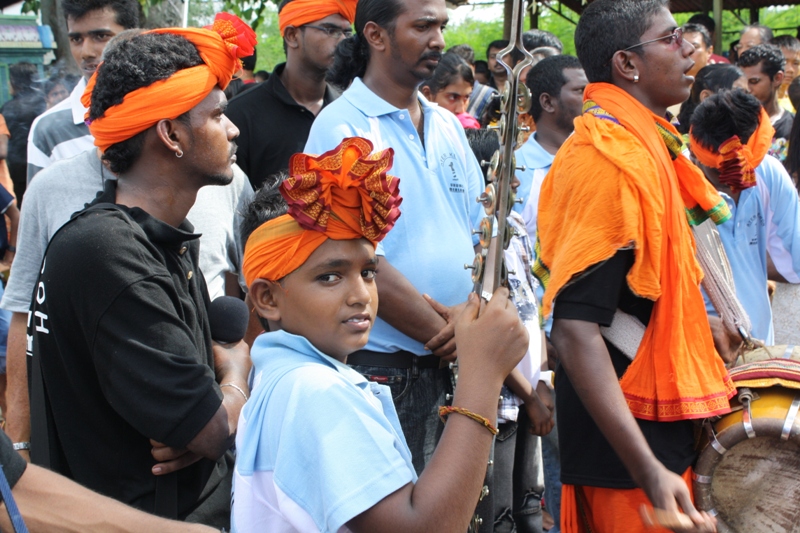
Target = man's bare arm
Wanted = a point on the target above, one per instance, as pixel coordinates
(18, 418)
(403, 307)
(586, 360)
(49, 502)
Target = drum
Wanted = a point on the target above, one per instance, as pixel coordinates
(748, 472)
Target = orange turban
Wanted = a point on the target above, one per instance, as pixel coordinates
(737, 162)
(220, 46)
(299, 12)
(342, 194)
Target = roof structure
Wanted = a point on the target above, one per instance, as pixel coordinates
(684, 6)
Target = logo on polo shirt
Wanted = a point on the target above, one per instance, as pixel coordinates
(448, 164)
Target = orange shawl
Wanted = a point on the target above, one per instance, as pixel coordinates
(299, 12)
(220, 46)
(614, 184)
(736, 158)
(342, 194)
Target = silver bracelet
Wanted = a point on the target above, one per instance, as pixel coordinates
(22, 446)
(237, 387)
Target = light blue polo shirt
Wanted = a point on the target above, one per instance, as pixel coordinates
(766, 219)
(537, 162)
(317, 444)
(432, 240)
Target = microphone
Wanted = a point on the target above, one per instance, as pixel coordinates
(228, 318)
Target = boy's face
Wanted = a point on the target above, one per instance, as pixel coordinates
(331, 300)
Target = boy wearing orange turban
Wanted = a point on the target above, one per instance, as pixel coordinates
(122, 347)
(320, 447)
(730, 137)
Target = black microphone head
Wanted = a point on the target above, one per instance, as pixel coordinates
(228, 318)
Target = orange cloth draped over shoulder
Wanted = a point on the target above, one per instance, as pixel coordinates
(220, 46)
(621, 182)
(5, 176)
(607, 510)
(299, 12)
(342, 194)
(735, 160)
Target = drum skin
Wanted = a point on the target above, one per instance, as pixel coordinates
(754, 486)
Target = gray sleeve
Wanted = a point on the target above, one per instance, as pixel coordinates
(32, 239)
(245, 196)
(32, 171)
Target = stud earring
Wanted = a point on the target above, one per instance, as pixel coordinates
(635, 78)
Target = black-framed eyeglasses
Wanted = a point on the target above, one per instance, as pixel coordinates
(676, 37)
(331, 31)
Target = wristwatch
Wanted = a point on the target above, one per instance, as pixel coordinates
(22, 446)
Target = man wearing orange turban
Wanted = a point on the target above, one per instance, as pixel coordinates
(730, 137)
(274, 117)
(129, 397)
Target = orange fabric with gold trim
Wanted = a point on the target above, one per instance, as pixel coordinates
(219, 45)
(621, 168)
(342, 194)
(737, 162)
(299, 12)
(607, 510)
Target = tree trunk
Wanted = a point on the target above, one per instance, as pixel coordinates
(53, 15)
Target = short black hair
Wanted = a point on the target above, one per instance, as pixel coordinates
(794, 94)
(770, 57)
(127, 11)
(607, 26)
(704, 20)
(450, 68)
(714, 77)
(249, 62)
(464, 51)
(133, 64)
(482, 67)
(702, 30)
(723, 115)
(547, 77)
(266, 205)
(23, 76)
(352, 54)
(484, 143)
(786, 41)
(764, 31)
(497, 45)
(536, 38)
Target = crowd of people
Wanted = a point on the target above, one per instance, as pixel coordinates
(335, 197)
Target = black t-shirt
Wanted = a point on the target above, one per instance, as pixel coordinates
(13, 464)
(120, 326)
(586, 456)
(272, 127)
(783, 126)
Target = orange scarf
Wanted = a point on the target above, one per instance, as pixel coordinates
(615, 184)
(342, 194)
(737, 162)
(220, 46)
(299, 12)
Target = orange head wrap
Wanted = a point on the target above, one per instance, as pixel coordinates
(342, 194)
(219, 45)
(736, 161)
(299, 12)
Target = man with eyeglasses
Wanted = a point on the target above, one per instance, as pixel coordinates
(614, 237)
(274, 118)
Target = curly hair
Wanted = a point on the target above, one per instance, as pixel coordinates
(770, 57)
(133, 64)
(723, 115)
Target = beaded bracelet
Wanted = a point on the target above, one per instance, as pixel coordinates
(445, 410)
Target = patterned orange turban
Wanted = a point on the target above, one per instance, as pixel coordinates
(219, 45)
(299, 12)
(342, 194)
(735, 161)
